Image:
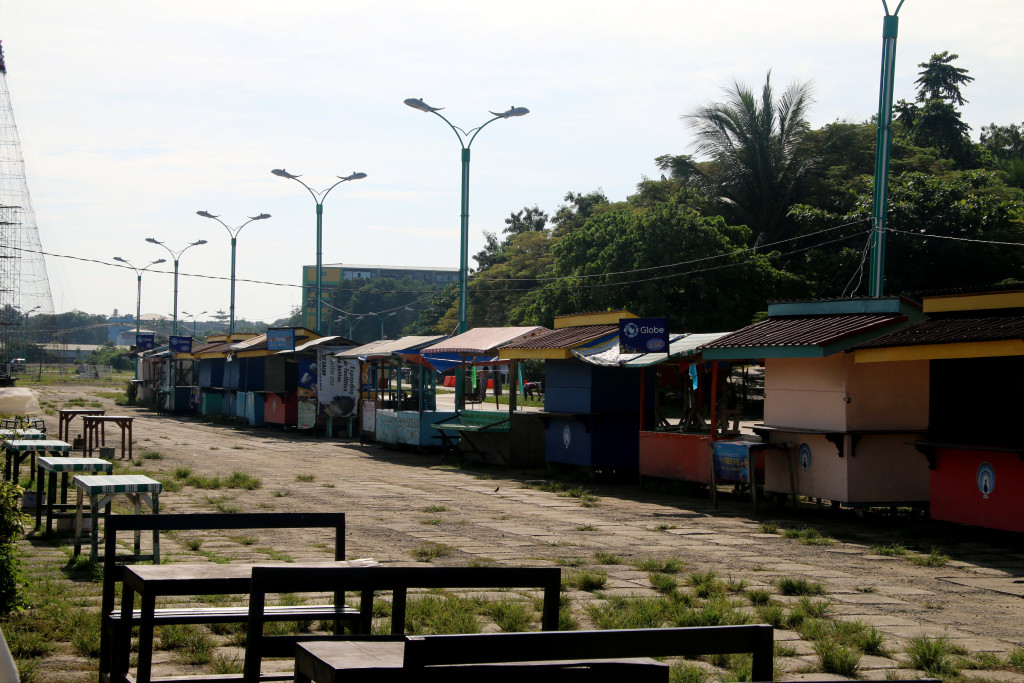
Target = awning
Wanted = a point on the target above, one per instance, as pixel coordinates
(679, 345)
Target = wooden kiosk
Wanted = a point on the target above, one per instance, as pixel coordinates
(972, 353)
(842, 429)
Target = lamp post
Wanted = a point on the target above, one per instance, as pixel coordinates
(465, 140)
(176, 256)
(319, 198)
(194, 318)
(138, 297)
(233, 232)
(381, 319)
(352, 325)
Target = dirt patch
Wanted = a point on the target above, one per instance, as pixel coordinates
(398, 501)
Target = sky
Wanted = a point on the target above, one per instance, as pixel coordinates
(135, 115)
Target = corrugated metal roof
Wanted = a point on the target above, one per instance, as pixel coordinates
(208, 348)
(679, 345)
(386, 347)
(954, 330)
(805, 330)
(565, 338)
(482, 340)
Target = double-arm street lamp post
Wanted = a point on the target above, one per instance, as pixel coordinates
(319, 198)
(194, 318)
(465, 140)
(381, 319)
(233, 232)
(176, 256)
(138, 297)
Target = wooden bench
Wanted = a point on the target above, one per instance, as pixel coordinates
(380, 661)
(467, 421)
(368, 580)
(113, 663)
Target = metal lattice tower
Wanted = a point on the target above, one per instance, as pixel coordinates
(24, 285)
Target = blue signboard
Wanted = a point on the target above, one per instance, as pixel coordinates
(144, 342)
(643, 335)
(180, 344)
(282, 339)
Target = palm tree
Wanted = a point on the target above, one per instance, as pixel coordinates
(753, 151)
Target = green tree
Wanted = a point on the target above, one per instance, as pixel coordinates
(577, 209)
(930, 218)
(663, 259)
(933, 119)
(527, 219)
(502, 294)
(756, 161)
(1005, 146)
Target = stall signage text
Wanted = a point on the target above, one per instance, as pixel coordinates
(643, 335)
(180, 344)
(144, 342)
(281, 339)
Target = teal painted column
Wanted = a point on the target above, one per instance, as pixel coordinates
(883, 149)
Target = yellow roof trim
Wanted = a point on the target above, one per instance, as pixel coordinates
(973, 302)
(596, 318)
(987, 349)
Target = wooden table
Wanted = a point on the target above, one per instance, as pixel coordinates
(95, 432)
(101, 490)
(22, 434)
(66, 415)
(51, 468)
(378, 661)
(18, 450)
(158, 580)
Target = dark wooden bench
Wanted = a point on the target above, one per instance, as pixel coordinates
(470, 421)
(112, 663)
(468, 654)
(368, 580)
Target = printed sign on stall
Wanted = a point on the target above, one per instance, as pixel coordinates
(643, 335)
(180, 344)
(144, 342)
(337, 385)
(282, 339)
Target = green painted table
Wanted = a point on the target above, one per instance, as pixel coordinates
(18, 450)
(59, 468)
(22, 434)
(101, 490)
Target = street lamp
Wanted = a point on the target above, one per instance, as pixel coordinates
(233, 232)
(194, 317)
(176, 257)
(381, 318)
(352, 324)
(138, 297)
(465, 140)
(319, 198)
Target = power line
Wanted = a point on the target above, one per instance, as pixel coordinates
(956, 239)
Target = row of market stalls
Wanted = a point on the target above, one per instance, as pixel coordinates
(867, 402)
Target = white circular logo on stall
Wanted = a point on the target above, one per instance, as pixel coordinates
(986, 479)
(805, 457)
(631, 330)
(566, 435)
